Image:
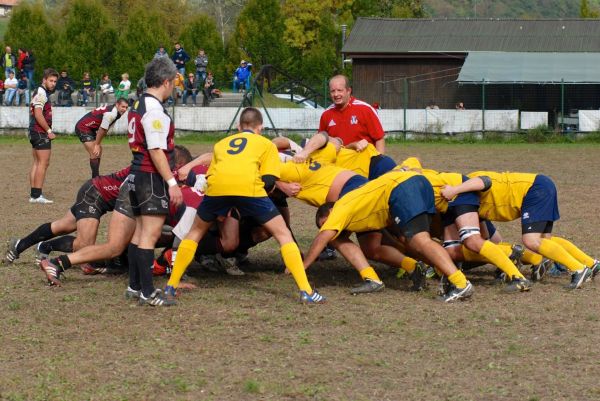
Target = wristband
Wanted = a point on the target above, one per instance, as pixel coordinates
(172, 182)
(49, 131)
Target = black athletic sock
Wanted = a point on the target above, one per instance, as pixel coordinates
(95, 166)
(36, 192)
(210, 244)
(60, 244)
(62, 261)
(134, 274)
(145, 260)
(42, 233)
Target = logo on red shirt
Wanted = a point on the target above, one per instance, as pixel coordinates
(353, 120)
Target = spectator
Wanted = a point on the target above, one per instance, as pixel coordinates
(180, 57)
(87, 90)
(1, 91)
(178, 88)
(124, 87)
(209, 91)
(23, 89)
(28, 67)
(10, 88)
(460, 106)
(161, 52)
(140, 87)
(20, 57)
(106, 89)
(201, 62)
(191, 88)
(9, 62)
(432, 106)
(241, 76)
(65, 86)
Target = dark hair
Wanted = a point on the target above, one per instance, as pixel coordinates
(323, 211)
(182, 155)
(251, 117)
(158, 71)
(50, 72)
(122, 100)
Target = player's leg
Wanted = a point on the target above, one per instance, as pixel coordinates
(94, 161)
(578, 254)
(148, 230)
(353, 254)
(87, 229)
(43, 161)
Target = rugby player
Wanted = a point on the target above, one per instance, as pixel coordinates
(242, 172)
(92, 127)
(403, 199)
(95, 198)
(41, 134)
(533, 199)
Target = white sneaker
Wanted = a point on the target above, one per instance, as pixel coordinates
(41, 200)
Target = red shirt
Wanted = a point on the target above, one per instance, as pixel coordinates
(108, 185)
(357, 121)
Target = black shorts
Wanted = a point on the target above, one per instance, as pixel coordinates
(39, 141)
(85, 136)
(89, 204)
(148, 194)
(123, 203)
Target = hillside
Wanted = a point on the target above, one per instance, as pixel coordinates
(507, 8)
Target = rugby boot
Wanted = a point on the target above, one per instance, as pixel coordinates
(539, 271)
(518, 284)
(41, 200)
(157, 298)
(418, 277)
(130, 293)
(51, 271)
(516, 254)
(367, 287)
(11, 253)
(41, 252)
(595, 269)
(329, 253)
(578, 278)
(314, 298)
(456, 294)
(229, 265)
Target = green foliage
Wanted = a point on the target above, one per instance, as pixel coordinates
(39, 36)
(89, 40)
(389, 8)
(586, 12)
(259, 31)
(506, 8)
(201, 33)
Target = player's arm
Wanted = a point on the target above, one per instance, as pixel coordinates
(318, 141)
(375, 130)
(317, 246)
(359, 146)
(289, 188)
(482, 183)
(350, 251)
(202, 160)
(380, 145)
(38, 113)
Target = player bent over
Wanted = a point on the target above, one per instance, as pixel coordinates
(404, 199)
(533, 198)
(243, 170)
(92, 127)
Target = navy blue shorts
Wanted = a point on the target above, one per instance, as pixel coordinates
(353, 183)
(380, 165)
(491, 228)
(261, 209)
(463, 203)
(410, 199)
(540, 202)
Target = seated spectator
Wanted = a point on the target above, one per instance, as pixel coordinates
(191, 88)
(23, 90)
(460, 106)
(65, 87)
(178, 86)
(106, 89)
(209, 91)
(432, 106)
(87, 90)
(1, 90)
(241, 76)
(10, 88)
(124, 87)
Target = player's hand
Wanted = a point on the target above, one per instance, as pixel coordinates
(97, 151)
(183, 172)
(300, 157)
(51, 135)
(448, 192)
(175, 195)
(290, 188)
(361, 145)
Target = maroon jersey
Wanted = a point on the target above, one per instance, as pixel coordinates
(149, 127)
(191, 198)
(40, 99)
(104, 117)
(108, 185)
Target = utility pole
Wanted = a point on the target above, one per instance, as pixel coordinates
(344, 28)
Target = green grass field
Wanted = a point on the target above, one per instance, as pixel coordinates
(248, 338)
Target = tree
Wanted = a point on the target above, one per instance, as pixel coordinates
(201, 33)
(586, 12)
(259, 31)
(28, 28)
(88, 41)
(224, 12)
(389, 8)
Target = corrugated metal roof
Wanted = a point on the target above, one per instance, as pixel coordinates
(392, 36)
(530, 67)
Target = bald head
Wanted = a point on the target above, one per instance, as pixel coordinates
(340, 91)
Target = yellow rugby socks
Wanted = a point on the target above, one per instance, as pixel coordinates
(552, 250)
(369, 273)
(574, 251)
(185, 255)
(495, 255)
(293, 261)
(458, 279)
(408, 264)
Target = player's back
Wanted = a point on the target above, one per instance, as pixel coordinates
(239, 161)
(359, 162)
(438, 180)
(315, 179)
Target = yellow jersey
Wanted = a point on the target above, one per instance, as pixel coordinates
(504, 199)
(314, 177)
(238, 163)
(326, 155)
(359, 162)
(438, 181)
(366, 208)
